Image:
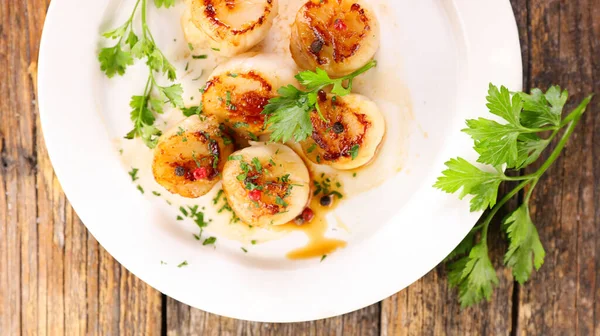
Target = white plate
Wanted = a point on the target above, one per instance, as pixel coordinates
(445, 52)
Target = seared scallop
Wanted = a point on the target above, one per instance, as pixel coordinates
(348, 133)
(266, 184)
(234, 26)
(238, 91)
(338, 36)
(189, 157)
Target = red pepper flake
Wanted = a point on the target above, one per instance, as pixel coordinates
(255, 195)
(201, 173)
(339, 24)
(308, 215)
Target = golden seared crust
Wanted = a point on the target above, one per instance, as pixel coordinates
(213, 7)
(234, 26)
(332, 145)
(240, 109)
(350, 134)
(193, 145)
(339, 36)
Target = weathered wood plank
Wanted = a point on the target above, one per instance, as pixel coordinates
(50, 266)
(184, 320)
(563, 297)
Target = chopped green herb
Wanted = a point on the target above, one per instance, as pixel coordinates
(245, 251)
(337, 193)
(139, 187)
(281, 202)
(183, 264)
(253, 242)
(183, 211)
(199, 56)
(257, 165)
(209, 241)
(133, 174)
(240, 124)
(196, 160)
(156, 193)
(354, 151)
(216, 49)
(323, 257)
(191, 47)
(311, 148)
(234, 75)
(192, 110)
(218, 197)
(230, 106)
(235, 158)
(179, 218)
(162, 262)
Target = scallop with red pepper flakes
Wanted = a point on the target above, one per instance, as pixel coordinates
(266, 184)
(238, 91)
(189, 157)
(338, 36)
(348, 133)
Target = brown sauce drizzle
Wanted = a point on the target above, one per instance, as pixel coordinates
(318, 245)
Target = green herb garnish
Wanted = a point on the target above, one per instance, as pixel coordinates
(133, 174)
(288, 115)
(116, 59)
(354, 151)
(514, 143)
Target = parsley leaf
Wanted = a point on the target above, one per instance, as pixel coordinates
(115, 60)
(288, 115)
(209, 241)
(525, 250)
(473, 181)
(474, 276)
(543, 109)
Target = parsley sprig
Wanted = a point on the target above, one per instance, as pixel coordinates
(515, 144)
(130, 46)
(288, 115)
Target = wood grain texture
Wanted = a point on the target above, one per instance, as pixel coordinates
(56, 279)
(563, 298)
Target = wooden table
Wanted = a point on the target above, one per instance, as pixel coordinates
(55, 278)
